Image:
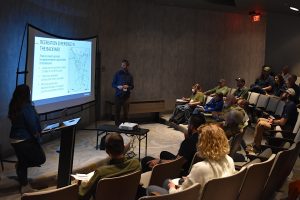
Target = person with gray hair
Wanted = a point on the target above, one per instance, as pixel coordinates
(234, 122)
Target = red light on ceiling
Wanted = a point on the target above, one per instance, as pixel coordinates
(256, 17)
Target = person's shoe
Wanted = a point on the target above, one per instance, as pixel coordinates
(27, 189)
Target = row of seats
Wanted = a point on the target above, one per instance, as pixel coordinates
(259, 179)
(264, 105)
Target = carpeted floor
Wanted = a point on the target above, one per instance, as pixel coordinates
(86, 157)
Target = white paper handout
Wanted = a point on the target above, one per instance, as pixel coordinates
(83, 177)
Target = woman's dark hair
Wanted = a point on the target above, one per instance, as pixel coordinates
(21, 96)
(197, 120)
(280, 79)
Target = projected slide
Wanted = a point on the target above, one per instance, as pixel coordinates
(60, 71)
(61, 67)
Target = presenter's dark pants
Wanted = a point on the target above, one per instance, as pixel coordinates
(29, 154)
(121, 102)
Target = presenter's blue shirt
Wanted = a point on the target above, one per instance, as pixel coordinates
(26, 124)
(122, 77)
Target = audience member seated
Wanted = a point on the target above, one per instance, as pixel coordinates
(220, 88)
(242, 106)
(213, 147)
(285, 73)
(287, 121)
(183, 112)
(229, 103)
(118, 165)
(263, 84)
(214, 105)
(234, 122)
(279, 86)
(241, 91)
(187, 148)
(292, 84)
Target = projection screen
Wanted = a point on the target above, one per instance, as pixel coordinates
(61, 71)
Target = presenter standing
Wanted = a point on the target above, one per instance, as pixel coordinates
(123, 84)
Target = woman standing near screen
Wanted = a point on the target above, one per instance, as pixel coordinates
(24, 134)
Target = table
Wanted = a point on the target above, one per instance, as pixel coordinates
(141, 134)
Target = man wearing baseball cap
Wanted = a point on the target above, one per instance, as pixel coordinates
(264, 83)
(220, 88)
(287, 120)
(241, 91)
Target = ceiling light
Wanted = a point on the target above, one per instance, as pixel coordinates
(294, 9)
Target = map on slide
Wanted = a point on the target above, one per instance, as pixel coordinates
(79, 70)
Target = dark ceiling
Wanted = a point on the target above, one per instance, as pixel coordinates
(242, 6)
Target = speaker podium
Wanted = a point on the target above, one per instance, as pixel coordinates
(66, 154)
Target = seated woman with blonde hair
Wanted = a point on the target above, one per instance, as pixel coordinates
(213, 147)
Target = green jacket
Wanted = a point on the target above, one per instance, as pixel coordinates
(113, 169)
(241, 93)
(199, 96)
(218, 89)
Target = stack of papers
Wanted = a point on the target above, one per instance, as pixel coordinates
(181, 101)
(83, 177)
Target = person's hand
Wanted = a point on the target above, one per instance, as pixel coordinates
(171, 185)
(125, 86)
(152, 163)
(120, 87)
(270, 120)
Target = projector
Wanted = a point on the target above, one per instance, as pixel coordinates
(128, 126)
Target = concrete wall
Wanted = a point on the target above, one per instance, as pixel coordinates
(169, 48)
(283, 42)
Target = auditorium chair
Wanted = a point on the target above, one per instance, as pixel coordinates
(282, 166)
(256, 175)
(191, 193)
(279, 109)
(161, 172)
(261, 105)
(225, 188)
(278, 138)
(208, 98)
(118, 188)
(253, 98)
(69, 192)
(231, 91)
(271, 107)
(262, 102)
